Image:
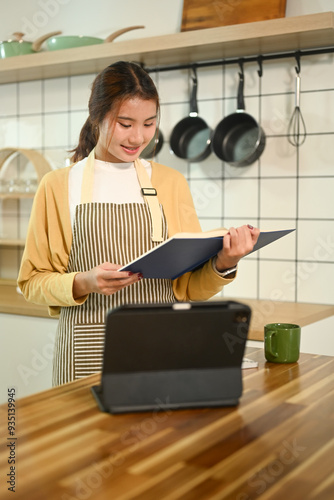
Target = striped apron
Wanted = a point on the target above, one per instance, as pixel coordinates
(103, 232)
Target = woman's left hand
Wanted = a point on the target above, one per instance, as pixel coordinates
(237, 243)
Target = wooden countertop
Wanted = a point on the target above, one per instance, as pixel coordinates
(278, 442)
(263, 311)
(268, 311)
(12, 302)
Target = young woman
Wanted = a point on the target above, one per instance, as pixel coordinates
(103, 211)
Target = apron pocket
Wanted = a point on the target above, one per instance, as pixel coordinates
(88, 346)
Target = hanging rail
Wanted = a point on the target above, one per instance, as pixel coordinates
(259, 59)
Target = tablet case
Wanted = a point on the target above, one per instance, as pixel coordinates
(173, 356)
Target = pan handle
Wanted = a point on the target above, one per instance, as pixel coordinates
(37, 44)
(193, 97)
(117, 33)
(240, 98)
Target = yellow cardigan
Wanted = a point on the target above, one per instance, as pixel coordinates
(43, 276)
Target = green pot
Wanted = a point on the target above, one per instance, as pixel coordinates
(12, 48)
(71, 42)
(19, 47)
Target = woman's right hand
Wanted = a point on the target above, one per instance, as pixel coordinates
(104, 279)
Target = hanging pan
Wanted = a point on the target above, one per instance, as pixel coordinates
(154, 147)
(238, 139)
(191, 137)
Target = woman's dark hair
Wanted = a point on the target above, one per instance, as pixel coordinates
(116, 83)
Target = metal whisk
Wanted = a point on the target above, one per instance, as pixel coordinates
(297, 128)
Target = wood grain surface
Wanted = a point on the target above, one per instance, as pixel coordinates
(271, 311)
(278, 443)
(263, 311)
(200, 14)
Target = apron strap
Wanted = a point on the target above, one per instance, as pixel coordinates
(151, 198)
(88, 179)
(148, 191)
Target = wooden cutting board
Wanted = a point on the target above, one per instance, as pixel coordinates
(200, 14)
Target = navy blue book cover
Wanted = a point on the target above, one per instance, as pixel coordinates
(177, 255)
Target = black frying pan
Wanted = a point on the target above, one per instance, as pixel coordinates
(238, 139)
(191, 137)
(154, 147)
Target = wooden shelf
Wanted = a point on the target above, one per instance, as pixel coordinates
(12, 242)
(16, 196)
(263, 37)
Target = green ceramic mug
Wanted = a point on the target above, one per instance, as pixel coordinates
(282, 342)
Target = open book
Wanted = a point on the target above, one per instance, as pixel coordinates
(184, 252)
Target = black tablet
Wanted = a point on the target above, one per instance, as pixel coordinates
(173, 356)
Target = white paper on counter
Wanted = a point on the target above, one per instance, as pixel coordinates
(249, 363)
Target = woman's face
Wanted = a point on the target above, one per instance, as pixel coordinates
(124, 139)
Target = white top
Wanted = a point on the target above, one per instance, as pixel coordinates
(113, 183)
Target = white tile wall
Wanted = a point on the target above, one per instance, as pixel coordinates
(55, 95)
(286, 188)
(8, 99)
(278, 198)
(30, 128)
(9, 127)
(316, 156)
(174, 86)
(208, 169)
(315, 282)
(316, 199)
(277, 280)
(56, 129)
(208, 197)
(80, 89)
(245, 286)
(282, 249)
(316, 73)
(241, 198)
(318, 109)
(30, 97)
(279, 158)
(276, 113)
(316, 240)
(76, 120)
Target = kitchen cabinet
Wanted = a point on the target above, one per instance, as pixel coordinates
(263, 37)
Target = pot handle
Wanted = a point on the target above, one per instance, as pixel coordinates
(37, 44)
(193, 97)
(240, 98)
(117, 33)
(18, 36)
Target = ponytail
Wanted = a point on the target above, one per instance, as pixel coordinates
(87, 141)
